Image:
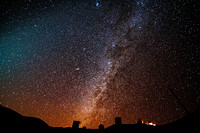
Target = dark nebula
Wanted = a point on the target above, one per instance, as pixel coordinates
(94, 60)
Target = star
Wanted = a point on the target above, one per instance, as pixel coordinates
(77, 69)
(97, 4)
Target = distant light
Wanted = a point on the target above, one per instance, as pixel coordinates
(148, 123)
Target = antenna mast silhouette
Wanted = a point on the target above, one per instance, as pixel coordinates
(179, 101)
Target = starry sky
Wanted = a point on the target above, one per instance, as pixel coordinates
(94, 60)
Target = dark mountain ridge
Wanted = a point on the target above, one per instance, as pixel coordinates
(10, 118)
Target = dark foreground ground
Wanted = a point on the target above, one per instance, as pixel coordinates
(10, 119)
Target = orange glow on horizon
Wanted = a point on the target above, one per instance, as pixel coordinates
(149, 123)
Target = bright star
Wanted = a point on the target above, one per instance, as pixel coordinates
(97, 4)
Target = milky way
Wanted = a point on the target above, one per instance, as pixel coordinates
(95, 60)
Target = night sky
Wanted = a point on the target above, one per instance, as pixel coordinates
(94, 60)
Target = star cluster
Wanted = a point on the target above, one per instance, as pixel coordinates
(94, 60)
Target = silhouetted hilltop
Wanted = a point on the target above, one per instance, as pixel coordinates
(125, 128)
(10, 118)
(191, 120)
